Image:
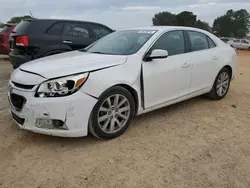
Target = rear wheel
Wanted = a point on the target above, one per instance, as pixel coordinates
(112, 114)
(221, 85)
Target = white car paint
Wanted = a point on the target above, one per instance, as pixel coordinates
(158, 83)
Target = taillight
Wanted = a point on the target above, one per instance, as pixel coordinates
(236, 50)
(22, 41)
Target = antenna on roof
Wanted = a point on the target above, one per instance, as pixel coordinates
(31, 14)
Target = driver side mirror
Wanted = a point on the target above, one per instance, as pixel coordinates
(157, 54)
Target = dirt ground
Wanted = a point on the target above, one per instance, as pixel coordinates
(197, 143)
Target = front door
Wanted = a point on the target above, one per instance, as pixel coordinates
(169, 78)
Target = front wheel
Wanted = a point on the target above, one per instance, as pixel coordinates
(221, 85)
(112, 114)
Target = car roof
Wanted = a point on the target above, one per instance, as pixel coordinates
(64, 20)
(166, 28)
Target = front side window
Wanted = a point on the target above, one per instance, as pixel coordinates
(76, 30)
(198, 41)
(121, 42)
(172, 41)
(237, 41)
(99, 30)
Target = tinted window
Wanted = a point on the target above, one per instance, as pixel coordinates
(22, 26)
(211, 43)
(6, 29)
(76, 30)
(236, 40)
(55, 29)
(225, 40)
(121, 42)
(244, 41)
(99, 31)
(198, 41)
(172, 41)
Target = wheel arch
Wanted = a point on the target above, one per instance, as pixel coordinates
(230, 70)
(130, 89)
(134, 94)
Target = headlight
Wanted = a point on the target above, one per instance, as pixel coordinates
(61, 86)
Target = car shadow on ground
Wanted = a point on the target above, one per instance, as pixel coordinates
(89, 141)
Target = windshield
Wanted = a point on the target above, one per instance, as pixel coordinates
(121, 42)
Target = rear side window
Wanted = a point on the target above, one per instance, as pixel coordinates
(244, 41)
(55, 29)
(198, 41)
(99, 30)
(22, 26)
(211, 43)
(6, 29)
(76, 30)
(172, 41)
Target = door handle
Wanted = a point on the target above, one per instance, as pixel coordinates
(215, 58)
(67, 42)
(185, 65)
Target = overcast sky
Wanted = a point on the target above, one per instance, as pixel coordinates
(117, 14)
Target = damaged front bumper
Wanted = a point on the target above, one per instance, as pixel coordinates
(64, 116)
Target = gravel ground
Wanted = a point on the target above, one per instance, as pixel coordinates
(196, 143)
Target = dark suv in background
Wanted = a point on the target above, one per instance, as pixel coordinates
(36, 38)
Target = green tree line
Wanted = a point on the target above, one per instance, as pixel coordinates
(232, 24)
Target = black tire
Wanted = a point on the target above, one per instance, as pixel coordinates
(249, 48)
(94, 127)
(213, 94)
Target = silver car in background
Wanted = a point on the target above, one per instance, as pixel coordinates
(243, 44)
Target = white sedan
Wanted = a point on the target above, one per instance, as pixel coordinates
(240, 44)
(101, 88)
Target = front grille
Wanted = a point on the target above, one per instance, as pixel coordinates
(22, 86)
(18, 119)
(17, 101)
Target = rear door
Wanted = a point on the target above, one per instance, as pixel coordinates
(205, 60)
(76, 35)
(245, 44)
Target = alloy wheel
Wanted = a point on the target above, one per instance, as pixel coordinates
(222, 84)
(114, 113)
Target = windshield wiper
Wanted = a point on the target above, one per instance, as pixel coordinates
(97, 52)
(82, 50)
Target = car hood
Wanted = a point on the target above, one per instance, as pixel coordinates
(68, 63)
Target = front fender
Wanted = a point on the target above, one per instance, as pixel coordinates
(101, 80)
